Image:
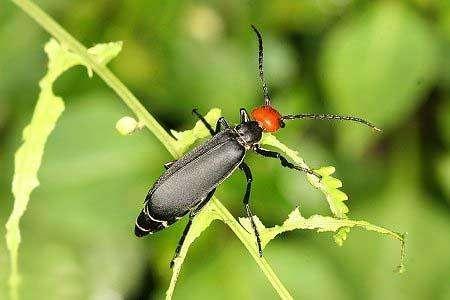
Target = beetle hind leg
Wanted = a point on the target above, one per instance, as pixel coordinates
(192, 214)
(248, 175)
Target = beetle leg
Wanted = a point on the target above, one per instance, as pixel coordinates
(167, 165)
(192, 214)
(284, 161)
(202, 119)
(244, 115)
(181, 241)
(248, 175)
(202, 203)
(221, 124)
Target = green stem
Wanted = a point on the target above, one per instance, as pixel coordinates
(250, 243)
(150, 122)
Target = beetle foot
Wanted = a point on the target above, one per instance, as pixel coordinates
(317, 175)
(320, 177)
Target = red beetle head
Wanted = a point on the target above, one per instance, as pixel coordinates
(268, 118)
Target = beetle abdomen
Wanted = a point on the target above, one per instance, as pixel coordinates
(184, 188)
(146, 224)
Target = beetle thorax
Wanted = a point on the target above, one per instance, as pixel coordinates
(249, 133)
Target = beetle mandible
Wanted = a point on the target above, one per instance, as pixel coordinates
(189, 182)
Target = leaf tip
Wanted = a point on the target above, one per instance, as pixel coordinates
(401, 268)
(341, 236)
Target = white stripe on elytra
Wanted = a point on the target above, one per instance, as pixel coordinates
(147, 213)
(141, 228)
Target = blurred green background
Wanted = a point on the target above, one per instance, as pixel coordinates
(388, 61)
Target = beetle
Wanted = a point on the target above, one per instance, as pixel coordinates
(189, 182)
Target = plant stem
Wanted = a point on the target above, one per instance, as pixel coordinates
(150, 122)
(250, 243)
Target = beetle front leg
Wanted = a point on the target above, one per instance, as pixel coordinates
(192, 214)
(248, 175)
(220, 125)
(284, 161)
(203, 120)
(244, 115)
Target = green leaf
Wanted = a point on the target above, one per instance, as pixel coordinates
(341, 235)
(321, 224)
(378, 64)
(29, 155)
(104, 53)
(199, 224)
(328, 184)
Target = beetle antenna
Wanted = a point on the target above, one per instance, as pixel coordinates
(331, 117)
(261, 66)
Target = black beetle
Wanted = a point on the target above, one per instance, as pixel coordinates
(190, 182)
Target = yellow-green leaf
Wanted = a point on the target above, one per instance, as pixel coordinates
(328, 184)
(321, 224)
(199, 224)
(29, 155)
